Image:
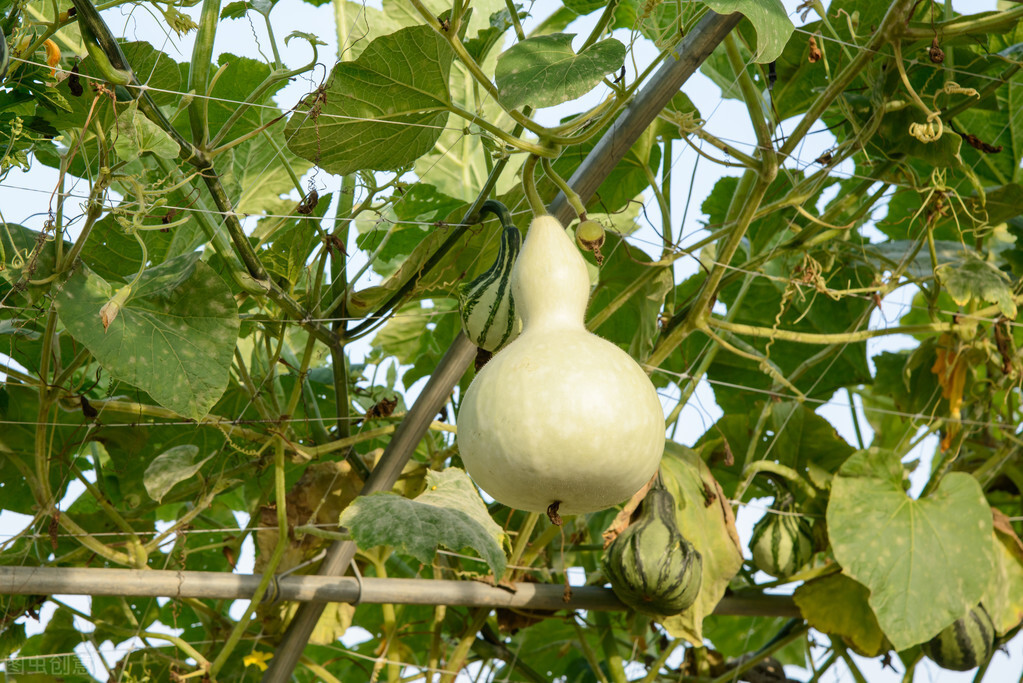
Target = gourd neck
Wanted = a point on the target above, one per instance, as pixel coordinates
(550, 283)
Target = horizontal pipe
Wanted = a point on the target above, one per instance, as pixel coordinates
(306, 588)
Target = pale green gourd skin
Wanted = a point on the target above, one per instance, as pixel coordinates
(559, 414)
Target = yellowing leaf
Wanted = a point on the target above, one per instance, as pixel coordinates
(706, 520)
(971, 278)
(1003, 598)
(838, 606)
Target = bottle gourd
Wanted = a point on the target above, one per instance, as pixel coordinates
(559, 417)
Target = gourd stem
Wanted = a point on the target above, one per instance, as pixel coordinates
(536, 204)
(573, 198)
(499, 211)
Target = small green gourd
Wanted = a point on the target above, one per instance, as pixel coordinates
(782, 543)
(589, 235)
(652, 568)
(486, 304)
(965, 644)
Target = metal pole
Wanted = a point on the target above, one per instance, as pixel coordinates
(324, 589)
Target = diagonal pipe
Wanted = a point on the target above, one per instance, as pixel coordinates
(612, 147)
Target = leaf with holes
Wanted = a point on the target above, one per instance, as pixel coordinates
(927, 561)
(545, 70)
(380, 112)
(173, 338)
(971, 278)
(449, 513)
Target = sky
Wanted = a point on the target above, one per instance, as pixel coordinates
(24, 198)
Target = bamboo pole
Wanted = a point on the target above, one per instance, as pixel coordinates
(324, 589)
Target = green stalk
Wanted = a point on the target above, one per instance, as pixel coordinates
(748, 195)
(609, 643)
(199, 70)
(456, 660)
(823, 338)
(536, 204)
(570, 194)
(752, 99)
(238, 631)
(588, 653)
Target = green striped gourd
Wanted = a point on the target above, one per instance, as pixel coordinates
(651, 566)
(966, 644)
(486, 303)
(782, 544)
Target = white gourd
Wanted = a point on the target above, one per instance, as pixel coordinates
(559, 415)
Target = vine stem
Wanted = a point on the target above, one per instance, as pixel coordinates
(588, 653)
(573, 198)
(280, 494)
(772, 467)
(827, 338)
(749, 192)
(536, 204)
(456, 659)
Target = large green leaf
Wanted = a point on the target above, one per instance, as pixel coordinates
(450, 513)
(927, 561)
(544, 70)
(380, 112)
(174, 337)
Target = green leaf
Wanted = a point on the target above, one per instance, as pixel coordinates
(450, 513)
(705, 518)
(488, 38)
(971, 278)
(926, 562)
(544, 71)
(174, 337)
(768, 17)
(234, 10)
(137, 135)
(837, 605)
(171, 467)
(380, 112)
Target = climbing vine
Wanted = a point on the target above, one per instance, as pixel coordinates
(230, 338)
